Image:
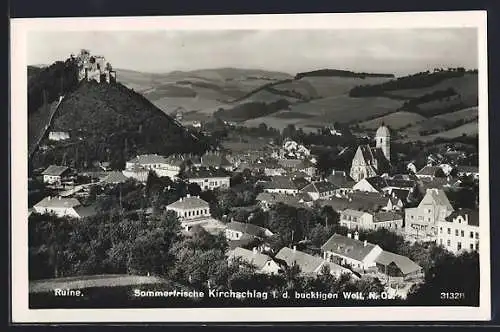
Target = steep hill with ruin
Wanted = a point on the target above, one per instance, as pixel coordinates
(105, 122)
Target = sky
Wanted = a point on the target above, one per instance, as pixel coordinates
(397, 51)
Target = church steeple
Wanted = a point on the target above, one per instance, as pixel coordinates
(383, 140)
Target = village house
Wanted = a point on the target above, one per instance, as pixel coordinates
(374, 184)
(216, 160)
(136, 172)
(365, 201)
(298, 165)
(421, 222)
(262, 262)
(58, 136)
(238, 231)
(430, 172)
(320, 189)
(114, 178)
(190, 208)
(281, 185)
(309, 264)
(363, 220)
(159, 164)
(56, 175)
(64, 207)
(397, 267)
(208, 178)
(459, 231)
(366, 257)
(342, 181)
(472, 171)
(267, 200)
(345, 250)
(371, 161)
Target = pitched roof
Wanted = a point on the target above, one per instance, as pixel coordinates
(468, 169)
(341, 180)
(400, 183)
(306, 262)
(471, 215)
(428, 170)
(149, 159)
(436, 196)
(247, 228)
(275, 198)
(377, 182)
(255, 258)
(57, 202)
(114, 177)
(401, 194)
(357, 201)
(319, 187)
(348, 247)
(211, 159)
(188, 203)
(386, 216)
(86, 211)
(290, 163)
(55, 170)
(280, 182)
(405, 264)
(206, 172)
(354, 213)
(300, 182)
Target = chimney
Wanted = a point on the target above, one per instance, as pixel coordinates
(356, 236)
(254, 250)
(365, 243)
(349, 235)
(294, 248)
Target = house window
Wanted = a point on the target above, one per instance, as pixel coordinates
(477, 236)
(411, 217)
(428, 211)
(471, 235)
(456, 232)
(449, 230)
(459, 246)
(429, 219)
(441, 241)
(477, 246)
(448, 243)
(462, 233)
(471, 246)
(440, 230)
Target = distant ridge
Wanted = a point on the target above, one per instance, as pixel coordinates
(339, 73)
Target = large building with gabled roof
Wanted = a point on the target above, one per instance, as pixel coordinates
(371, 161)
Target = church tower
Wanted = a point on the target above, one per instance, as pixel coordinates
(383, 141)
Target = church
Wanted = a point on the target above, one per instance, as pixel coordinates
(372, 161)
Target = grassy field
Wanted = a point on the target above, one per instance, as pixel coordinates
(466, 114)
(336, 86)
(394, 120)
(82, 282)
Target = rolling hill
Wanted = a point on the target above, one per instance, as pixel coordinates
(315, 98)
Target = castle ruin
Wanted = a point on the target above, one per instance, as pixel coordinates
(94, 67)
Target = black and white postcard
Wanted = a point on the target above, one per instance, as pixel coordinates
(319, 167)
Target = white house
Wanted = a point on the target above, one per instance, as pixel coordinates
(262, 262)
(362, 220)
(55, 174)
(281, 185)
(190, 208)
(238, 231)
(63, 207)
(360, 255)
(459, 231)
(421, 222)
(161, 165)
(58, 135)
(309, 264)
(320, 190)
(137, 172)
(208, 178)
